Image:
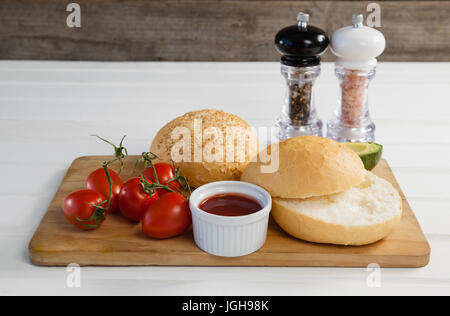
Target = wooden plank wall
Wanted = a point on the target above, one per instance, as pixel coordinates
(205, 30)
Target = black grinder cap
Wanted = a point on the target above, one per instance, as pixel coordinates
(302, 44)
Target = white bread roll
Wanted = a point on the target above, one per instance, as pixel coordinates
(358, 216)
(204, 171)
(308, 166)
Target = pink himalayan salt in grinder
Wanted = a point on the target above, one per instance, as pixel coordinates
(356, 48)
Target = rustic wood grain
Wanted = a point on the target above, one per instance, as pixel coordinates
(119, 242)
(205, 30)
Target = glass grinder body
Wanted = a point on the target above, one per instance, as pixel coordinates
(300, 46)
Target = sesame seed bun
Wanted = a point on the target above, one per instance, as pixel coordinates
(203, 171)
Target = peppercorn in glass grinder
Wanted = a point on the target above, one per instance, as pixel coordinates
(356, 48)
(300, 46)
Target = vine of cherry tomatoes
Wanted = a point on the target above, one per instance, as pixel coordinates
(154, 197)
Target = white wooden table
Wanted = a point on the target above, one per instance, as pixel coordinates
(49, 109)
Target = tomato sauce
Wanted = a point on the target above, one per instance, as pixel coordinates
(230, 204)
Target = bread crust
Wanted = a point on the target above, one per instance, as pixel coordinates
(379, 211)
(199, 173)
(308, 166)
(314, 230)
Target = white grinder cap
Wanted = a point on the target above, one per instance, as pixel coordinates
(357, 46)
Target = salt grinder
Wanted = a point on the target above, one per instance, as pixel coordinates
(356, 48)
(300, 46)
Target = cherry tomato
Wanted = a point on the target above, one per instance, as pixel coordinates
(165, 172)
(77, 208)
(97, 181)
(134, 201)
(168, 217)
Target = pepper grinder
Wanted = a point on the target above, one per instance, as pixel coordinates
(300, 46)
(356, 48)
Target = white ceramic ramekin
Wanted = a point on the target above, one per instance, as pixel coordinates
(230, 236)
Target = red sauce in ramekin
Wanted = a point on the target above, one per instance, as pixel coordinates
(230, 204)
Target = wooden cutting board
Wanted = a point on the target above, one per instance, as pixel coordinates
(119, 242)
